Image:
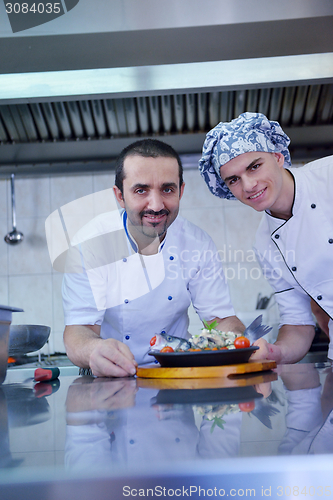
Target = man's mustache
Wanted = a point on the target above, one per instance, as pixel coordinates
(154, 214)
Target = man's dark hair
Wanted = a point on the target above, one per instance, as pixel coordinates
(148, 148)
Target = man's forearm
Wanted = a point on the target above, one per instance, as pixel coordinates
(294, 341)
(230, 324)
(105, 357)
(79, 341)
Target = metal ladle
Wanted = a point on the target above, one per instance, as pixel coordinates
(14, 236)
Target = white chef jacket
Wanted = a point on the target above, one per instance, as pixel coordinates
(296, 255)
(304, 414)
(136, 432)
(133, 297)
(320, 439)
(307, 431)
(160, 435)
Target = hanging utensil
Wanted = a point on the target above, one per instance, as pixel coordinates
(262, 302)
(14, 236)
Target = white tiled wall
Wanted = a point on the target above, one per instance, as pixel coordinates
(27, 279)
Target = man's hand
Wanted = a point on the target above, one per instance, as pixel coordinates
(105, 357)
(111, 358)
(292, 344)
(98, 394)
(229, 324)
(266, 351)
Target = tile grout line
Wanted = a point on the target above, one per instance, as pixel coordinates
(52, 281)
(7, 250)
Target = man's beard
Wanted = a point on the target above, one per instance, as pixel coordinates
(152, 225)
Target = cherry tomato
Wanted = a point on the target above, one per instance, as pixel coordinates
(167, 348)
(153, 340)
(248, 406)
(241, 342)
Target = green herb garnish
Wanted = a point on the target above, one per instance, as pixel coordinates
(211, 326)
(219, 422)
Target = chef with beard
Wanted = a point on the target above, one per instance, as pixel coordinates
(137, 272)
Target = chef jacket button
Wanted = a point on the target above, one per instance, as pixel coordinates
(294, 268)
(169, 298)
(132, 441)
(124, 259)
(277, 236)
(330, 240)
(156, 362)
(319, 297)
(126, 301)
(127, 337)
(313, 205)
(171, 257)
(163, 331)
(177, 440)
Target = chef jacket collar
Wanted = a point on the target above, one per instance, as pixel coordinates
(130, 237)
(275, 222)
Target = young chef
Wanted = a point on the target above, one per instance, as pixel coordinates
(248, 159)
(116, 303)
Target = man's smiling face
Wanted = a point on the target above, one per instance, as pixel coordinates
(256, 179)
(151, 195)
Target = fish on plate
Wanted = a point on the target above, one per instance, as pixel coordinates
(163, 340)
(210, 338)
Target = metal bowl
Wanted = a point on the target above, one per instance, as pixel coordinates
(5, 321)
(27, 338)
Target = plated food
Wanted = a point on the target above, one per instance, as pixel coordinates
(209, 339)
(203, 357)
(210, 347)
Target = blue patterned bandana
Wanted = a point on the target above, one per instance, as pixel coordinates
(248, 132)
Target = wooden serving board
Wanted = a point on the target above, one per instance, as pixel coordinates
(153, 371)
(244, 380)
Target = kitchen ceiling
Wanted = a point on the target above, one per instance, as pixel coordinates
(76, 110)
(87, 134)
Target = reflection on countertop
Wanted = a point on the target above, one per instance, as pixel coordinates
(119, 421)
(287, 412)
(86, 424)
(82, 423)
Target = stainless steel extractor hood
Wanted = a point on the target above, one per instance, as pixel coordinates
(74, 98)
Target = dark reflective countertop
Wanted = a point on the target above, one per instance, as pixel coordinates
(81, 428)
